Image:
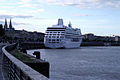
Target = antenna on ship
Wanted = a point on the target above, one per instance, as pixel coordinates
(70, 25)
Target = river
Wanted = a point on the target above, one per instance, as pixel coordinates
(84, 63)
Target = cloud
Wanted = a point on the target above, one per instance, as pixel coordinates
(76, 3)
(14, 23)
(14, 16)
(1, 22)
(6, 14)
(80, 15)
(27, 3)
(35, 11)
(85, 3)
(85, 15)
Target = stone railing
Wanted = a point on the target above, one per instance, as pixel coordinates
(17, 70)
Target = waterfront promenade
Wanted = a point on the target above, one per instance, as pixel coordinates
(16, 69)
(2, 74)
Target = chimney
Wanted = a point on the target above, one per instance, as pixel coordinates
(60, 21)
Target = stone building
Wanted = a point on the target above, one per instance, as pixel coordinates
(117, 38)
(8, 28)
(92, 37)
(89, 36)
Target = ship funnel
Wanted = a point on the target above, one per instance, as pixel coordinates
(60, 21)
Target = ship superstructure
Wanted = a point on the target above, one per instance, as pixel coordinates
(60, 36)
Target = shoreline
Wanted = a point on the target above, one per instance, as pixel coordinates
(40, 45)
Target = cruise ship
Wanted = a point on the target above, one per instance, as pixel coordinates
(60, 36)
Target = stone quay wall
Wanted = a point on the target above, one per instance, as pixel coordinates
(17, 70)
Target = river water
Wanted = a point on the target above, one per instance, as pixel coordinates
(85, 63)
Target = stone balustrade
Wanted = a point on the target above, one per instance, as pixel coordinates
(17, 70)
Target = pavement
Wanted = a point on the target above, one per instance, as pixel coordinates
(3, 76)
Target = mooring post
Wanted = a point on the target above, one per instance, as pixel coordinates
(37, 53)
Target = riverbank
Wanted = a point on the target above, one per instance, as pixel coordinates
(100, 44)
(40, 45)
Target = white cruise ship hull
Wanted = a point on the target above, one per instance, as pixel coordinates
(64, 44)
(54, 46)
(72, 45)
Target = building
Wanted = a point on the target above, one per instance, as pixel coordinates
(8, 28)
(21, 34)
(92, 37)
(89, 36)
(117, 38)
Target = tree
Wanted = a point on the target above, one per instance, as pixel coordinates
(2, 32)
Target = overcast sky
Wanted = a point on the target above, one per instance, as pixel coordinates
(101, 17)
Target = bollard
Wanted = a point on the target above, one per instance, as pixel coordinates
(37, 53)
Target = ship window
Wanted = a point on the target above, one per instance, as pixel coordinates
(53, 36)
(47, 32)
(57, 36)
(49, 39)
(58, 32)
(46, 36)
(68, 36)
(50, 32)
(53, 39)
(46, 39)
(75, 39)
(57, 39)
(61, 36)
(49, 36)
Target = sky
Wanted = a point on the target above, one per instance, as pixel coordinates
(101, 17)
